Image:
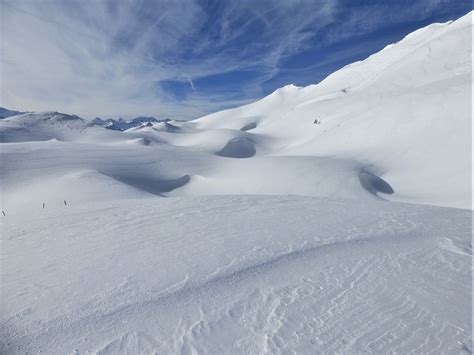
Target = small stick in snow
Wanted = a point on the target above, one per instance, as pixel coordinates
(65, 203)
(4, 213)
(43, 205)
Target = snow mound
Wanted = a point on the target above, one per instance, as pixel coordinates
(40, 127)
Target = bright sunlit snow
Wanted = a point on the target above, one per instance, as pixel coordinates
(332, 218)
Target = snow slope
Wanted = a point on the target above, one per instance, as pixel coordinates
(242, 274)
(252, 230)
(7, 113)
(404, 113)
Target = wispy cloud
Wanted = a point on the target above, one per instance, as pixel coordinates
(112, 58)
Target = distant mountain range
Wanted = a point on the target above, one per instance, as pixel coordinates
(119, 124)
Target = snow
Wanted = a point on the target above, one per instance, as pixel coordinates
(8, 113)
(122, 124)
(252, 230)
(405, 105)
(234, 274)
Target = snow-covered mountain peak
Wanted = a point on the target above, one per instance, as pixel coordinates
(4, 112)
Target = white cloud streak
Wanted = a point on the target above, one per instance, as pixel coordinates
(109, 58)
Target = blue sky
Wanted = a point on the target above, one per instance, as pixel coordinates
(184, 59)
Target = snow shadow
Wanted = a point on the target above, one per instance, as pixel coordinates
(140, 141)
(240, 147)
(154, 186)
(171, 128)
(249, 126)
(374, 184)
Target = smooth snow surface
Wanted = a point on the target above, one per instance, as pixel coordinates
(252, 230)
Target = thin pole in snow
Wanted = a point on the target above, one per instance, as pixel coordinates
(4, 213)
(65, 203)
(43, 205)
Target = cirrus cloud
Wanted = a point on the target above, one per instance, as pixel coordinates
(179, 58)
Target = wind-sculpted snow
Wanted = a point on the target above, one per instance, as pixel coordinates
(381, 115)
(405, 111)
(232, 275)
(275, 227)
